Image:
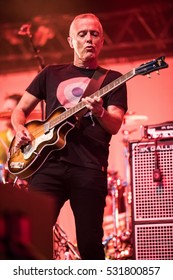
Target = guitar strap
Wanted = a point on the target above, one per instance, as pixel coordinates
(94, 84)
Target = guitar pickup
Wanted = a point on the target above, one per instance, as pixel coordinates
(46, 127)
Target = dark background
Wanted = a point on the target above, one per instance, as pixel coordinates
(133, 30)
(21, 10)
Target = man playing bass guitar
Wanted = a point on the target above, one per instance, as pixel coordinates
(71, 151)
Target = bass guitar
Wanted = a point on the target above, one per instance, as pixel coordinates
(50, 134)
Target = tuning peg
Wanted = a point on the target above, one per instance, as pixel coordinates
(148, 75)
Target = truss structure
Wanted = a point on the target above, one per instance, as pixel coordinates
(138, 33)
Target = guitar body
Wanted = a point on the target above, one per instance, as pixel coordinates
(28, 159)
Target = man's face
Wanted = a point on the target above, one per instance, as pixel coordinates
(86, 38)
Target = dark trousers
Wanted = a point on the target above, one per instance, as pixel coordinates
(86, 189)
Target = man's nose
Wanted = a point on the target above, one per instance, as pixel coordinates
(89, 37)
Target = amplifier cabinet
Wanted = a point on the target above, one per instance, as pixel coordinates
(151, 168)
(153, 241)
(152, 200)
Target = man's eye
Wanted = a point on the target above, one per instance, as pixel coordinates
(82, 34)
(95, 33)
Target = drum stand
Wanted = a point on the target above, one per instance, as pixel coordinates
(126, 234)
(121, 240)
(114, 236)
(127, 182)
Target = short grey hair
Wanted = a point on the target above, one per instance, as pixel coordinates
(82, 16)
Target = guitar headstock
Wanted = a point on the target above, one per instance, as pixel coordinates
(154, 65)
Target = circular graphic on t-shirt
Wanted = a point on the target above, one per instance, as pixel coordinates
(70, 91)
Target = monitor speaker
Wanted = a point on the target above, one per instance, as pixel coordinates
(26, 224)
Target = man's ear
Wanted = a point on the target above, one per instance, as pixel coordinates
(70, 41)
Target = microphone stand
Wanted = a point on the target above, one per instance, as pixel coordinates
(25, 31)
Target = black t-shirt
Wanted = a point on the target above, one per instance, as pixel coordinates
(63, 85)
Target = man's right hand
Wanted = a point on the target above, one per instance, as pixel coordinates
(22, 137)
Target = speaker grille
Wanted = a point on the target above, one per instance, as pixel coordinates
(152, 200)
(154, 242)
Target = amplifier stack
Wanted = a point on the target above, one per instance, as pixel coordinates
(151, 164)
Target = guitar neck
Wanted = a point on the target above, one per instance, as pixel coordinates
(99, 93)
(114, 84)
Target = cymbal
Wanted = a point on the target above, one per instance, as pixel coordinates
(5, 115)
(132, 118)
